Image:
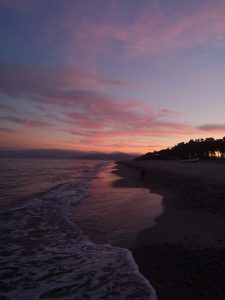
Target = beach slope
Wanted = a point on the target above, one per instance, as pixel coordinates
(183, 254)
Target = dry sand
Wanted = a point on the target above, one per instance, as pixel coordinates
(183, 255)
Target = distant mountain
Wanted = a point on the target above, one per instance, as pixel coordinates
(109, 156)
(63, 154)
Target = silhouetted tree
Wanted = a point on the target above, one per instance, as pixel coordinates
(209, 148)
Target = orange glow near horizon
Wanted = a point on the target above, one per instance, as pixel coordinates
(130, 78)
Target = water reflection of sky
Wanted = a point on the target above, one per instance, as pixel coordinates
(116, 214)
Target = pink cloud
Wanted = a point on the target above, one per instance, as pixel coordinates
(105, 123)
(153, 31)
(21, 80)
(125, 124)
(92, 118)
(124, 145)
(168, 113)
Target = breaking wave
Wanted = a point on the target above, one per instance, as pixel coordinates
(44, 255)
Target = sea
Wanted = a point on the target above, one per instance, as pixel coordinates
(52, 245)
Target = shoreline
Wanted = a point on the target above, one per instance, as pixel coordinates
(105, 214)
(183, 254)
(40, 242)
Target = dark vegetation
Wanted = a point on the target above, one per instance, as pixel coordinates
(204, 149)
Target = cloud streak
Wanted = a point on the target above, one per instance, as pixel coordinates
(8, 130)
(153, 31)
(214, 128)
(19, 79)
(27, 122)
(21, 6)
(7, 107)
(90, 117)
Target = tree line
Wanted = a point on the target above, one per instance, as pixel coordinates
(204, 149)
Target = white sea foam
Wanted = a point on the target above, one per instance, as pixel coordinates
(44, 256)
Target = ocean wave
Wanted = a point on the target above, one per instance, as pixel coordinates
(45, 256)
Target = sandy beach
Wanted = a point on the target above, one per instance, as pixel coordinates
(183, 253)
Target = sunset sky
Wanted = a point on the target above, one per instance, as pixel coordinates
(111, 75)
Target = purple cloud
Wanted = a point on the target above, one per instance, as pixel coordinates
(8, 130)
(152, 30)
(87, 114)
(7, 107)
(213, 127)
(21, 6)
(27, 122)
(21, 80)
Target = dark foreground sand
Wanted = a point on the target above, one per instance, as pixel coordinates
(183, 255)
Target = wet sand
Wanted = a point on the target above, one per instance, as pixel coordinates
(183, 255)
(106, 214)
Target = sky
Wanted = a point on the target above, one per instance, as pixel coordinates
(111, 75)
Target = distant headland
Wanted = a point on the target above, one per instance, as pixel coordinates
(63, 154)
